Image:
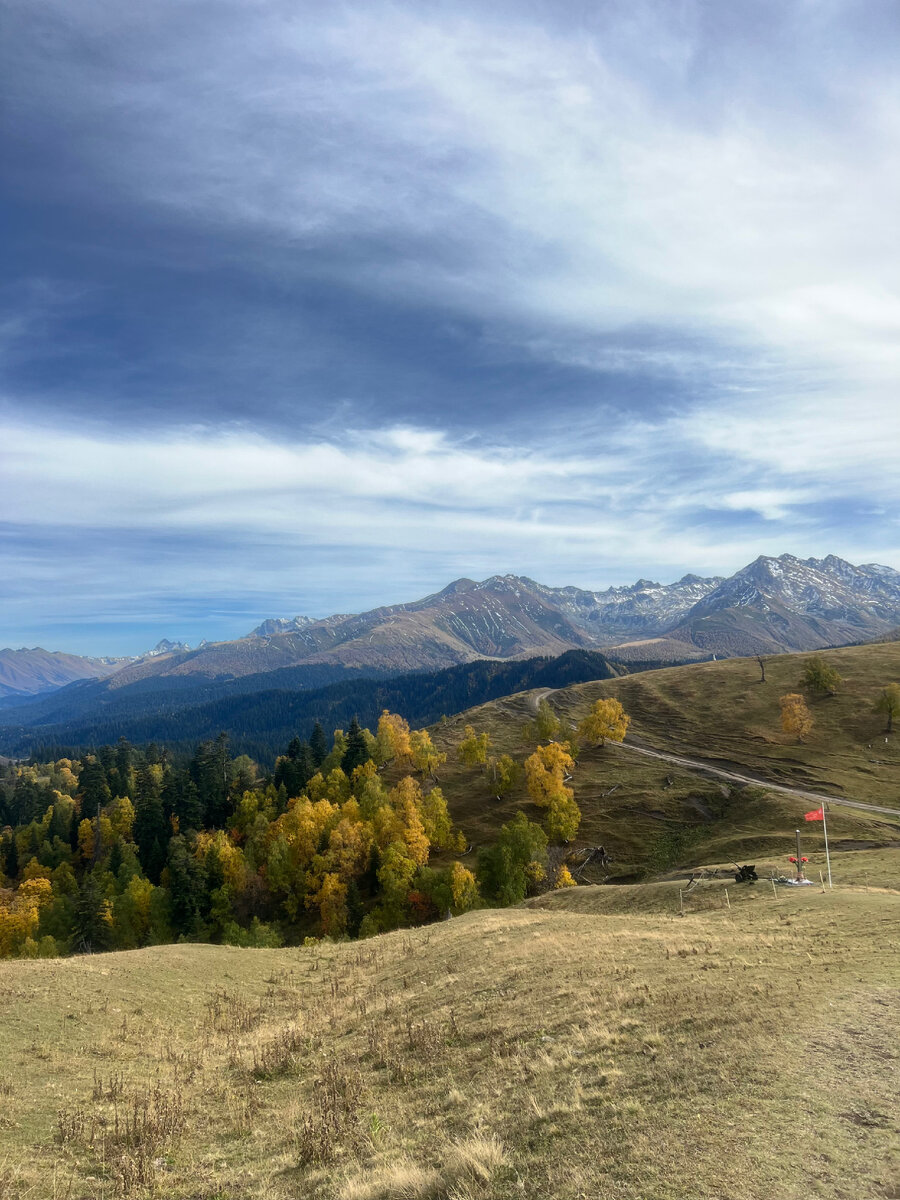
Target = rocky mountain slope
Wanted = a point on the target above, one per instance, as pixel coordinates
(787, 603)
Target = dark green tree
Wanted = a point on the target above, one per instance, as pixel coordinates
(318, 745)
(820, 678)
(93, 788)
(91, 931)
(151, 829)
(517, 858)
(888, 703)
(357, 751)
(186, 888)
(182, 800)
(11, 855)
(209, 771)
(123, 767)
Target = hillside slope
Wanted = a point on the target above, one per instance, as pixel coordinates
(540, 1052)
(261, 721)
(651, 816)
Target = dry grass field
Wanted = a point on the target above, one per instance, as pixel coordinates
(592, 1043)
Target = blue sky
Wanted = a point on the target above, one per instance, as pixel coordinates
(309, 307)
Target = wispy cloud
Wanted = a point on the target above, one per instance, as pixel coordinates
(386, 292)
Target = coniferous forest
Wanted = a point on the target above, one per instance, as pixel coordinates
(261, 723)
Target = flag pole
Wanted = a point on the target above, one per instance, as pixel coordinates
(827, 855)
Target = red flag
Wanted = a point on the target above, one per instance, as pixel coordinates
(817, 815)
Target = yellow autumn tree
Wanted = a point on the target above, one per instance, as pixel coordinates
(393, 737)
(406, 800)
(472, 751)
(795, 716)
(396, 874)
(88, 837)
(350, 844)
(425, 756)
(437, 822)
(331, 900)
(121, 817)
(463, 888)
(20, 913)
(563, 816)
(606, 722)
(334, 787)
(545, 772)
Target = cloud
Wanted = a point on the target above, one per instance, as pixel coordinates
(312, 297)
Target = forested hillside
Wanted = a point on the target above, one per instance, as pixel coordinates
(262, 723)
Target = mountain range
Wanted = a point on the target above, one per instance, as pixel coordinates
(773, 605)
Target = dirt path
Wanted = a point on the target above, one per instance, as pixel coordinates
(693, 764)
(706, 768)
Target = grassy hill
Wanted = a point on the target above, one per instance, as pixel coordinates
(579, 1046)
(652, 817)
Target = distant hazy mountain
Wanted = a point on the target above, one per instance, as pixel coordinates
(262, 719)
(30, 672)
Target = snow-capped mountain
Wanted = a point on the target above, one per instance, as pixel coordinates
(277, 625)
(771, 605)
(788, 603)
(166, 647)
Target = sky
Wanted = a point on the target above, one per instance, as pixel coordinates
(310, 307)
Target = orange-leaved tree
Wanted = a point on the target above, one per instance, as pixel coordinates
(795, 716)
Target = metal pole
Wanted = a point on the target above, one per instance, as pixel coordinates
(799, 856)
(827, 855)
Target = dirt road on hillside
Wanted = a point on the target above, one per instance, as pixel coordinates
(707, 768)
(692, 764)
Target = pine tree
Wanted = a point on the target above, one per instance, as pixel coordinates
(318, 745)
(12, 858)
(186, 886)
(91, 931)
(357, 751)
(151, 829)
(93, 788)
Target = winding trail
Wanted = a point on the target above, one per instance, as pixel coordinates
(707, 768)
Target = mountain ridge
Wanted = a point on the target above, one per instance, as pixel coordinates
(772, 605)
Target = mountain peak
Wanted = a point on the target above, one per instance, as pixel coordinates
(164, 646)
